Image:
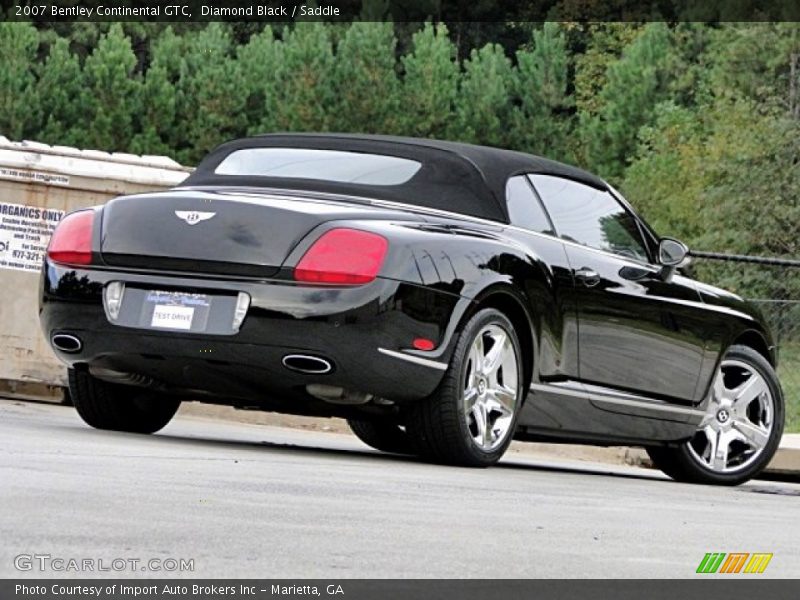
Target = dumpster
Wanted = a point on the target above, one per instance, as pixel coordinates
(38, 185)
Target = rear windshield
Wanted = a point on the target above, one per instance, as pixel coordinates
(322, 165)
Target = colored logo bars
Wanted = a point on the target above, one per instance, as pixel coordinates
(736, 562)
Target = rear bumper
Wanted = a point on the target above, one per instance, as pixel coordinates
(365, 332)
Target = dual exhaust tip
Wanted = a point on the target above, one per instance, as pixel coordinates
(306, 363)
(301, 363)
(67, 342)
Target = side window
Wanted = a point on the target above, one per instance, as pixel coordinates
(524, 208)
(590, 217)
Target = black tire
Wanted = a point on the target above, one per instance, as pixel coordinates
(437, 427)
(381, 435)
(117, 407)
(681, 464)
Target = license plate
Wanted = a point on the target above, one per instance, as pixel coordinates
(179, 311)
(172, 317)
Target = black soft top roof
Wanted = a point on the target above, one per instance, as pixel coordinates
(457, 177)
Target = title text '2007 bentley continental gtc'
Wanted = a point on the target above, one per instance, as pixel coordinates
(444, 298)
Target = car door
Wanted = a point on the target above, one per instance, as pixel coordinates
(637, 331)
(550, 296)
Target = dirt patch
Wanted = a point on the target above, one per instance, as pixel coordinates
(256, 417)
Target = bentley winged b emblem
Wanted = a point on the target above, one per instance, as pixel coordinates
(192, 217)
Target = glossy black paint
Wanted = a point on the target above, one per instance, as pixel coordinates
(345, 325)
(652, 342)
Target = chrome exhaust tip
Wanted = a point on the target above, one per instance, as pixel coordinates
(305, 363)
(67, 343)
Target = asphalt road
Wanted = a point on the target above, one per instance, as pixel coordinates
(251, 501)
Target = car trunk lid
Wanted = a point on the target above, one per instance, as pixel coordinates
(213, 232)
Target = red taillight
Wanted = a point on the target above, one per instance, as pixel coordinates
(71, 242)
(345, 256)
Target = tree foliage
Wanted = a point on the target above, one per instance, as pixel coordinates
(698, 124)
(18, 100)
(543, 115)
(111, 94)
(430, 84)
(483, 105)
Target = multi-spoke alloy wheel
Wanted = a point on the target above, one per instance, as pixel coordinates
(490, 387)
(470, 420)
(738, 420)
(741, 429)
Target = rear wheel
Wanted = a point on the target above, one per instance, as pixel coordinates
(741, 429)
(470, 419)
(117, 407)
(381, 435)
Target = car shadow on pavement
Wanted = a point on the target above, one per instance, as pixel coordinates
(532, 463)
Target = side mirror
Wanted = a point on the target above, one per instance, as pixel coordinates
(671, 255)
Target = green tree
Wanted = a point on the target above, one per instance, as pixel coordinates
(364, 80)
(542, 118)
(112, 93)
(667, 179)
(760, 62)
(209, 99)
(595, 47)
(305, 93)
(430, 84)
(156, 117)
(723, 179)
(259, 61)
(59, 89)
(483, 107)
(19, 109)
(636, 84)
(752, 200)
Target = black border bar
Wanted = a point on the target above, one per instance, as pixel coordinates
(702, 588)
(277, 11)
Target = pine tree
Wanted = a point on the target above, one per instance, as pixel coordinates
(305, 93)
(112, 93)
(59, 89)
(364, 80)
(636, 84)
(156, 117)
(483, 107)
(209, 101)
(542, 119)
(259, 61)
(430, 84)
(19, 108)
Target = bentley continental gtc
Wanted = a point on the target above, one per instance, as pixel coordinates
(443, 298)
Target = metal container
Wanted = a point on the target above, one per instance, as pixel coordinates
(38, 185)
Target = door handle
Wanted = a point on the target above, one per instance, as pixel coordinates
(589, 277)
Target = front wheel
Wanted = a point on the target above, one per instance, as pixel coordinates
(118, 407)
(742, 427)
(470, 419)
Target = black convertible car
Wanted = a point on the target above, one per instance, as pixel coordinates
(443, 298)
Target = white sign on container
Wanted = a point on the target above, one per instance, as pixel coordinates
(24, 234)
(33, 176)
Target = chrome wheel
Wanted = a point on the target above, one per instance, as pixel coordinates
(738, 421)
(491, 385)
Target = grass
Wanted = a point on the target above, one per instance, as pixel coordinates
(789, 374)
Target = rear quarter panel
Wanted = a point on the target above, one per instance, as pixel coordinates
(475, 262)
